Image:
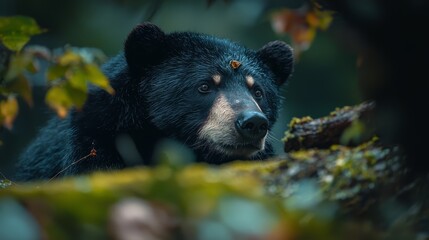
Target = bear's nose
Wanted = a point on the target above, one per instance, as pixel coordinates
(251, 125)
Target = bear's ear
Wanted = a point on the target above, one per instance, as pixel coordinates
(278, 56)
(144, 47)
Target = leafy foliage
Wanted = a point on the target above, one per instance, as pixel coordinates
(68, 76)
(16, 31)
(301, 24)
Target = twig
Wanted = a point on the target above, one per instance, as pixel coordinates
(93, 153)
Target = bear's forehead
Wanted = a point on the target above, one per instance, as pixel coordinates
(234, 65)
(216, 56)
(213, 48)
(226, 60)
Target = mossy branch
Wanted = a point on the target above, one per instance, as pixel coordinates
(344, 125)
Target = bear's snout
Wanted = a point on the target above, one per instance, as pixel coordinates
(251, 125)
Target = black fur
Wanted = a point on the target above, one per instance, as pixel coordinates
(156, 82)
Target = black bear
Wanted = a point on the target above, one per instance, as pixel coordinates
(215, 96)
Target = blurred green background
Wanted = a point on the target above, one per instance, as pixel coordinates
(324, 78)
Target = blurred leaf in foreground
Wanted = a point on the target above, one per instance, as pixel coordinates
(301, 24)
(16, 31)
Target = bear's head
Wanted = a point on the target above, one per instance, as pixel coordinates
(215, 96)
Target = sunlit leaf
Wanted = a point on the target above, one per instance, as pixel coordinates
(96, 77)
(69, 57)
(77, 79)
(8, 111)
(55, 72)
(17, 65)
(16, 31)
(77, 96)
(63, 97)
(21, 86)
(58, 99)
(15, 42)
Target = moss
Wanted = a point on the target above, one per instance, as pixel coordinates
(340, 110)
(295, 121)
(288, 135)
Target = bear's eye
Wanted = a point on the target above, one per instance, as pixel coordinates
(204, 88)
(258, 93)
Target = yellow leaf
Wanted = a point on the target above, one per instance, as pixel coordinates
(96, 77)
(15, 42)
(77, 79)
(58, 99)
(8, 111)
(62, 98)
(324, 19)
(77, 96)
(69, 58)
(55, 72)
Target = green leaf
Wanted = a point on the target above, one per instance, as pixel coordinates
(78, 96)
(17, 65)
(62, 98)
(69, 58)
(16, 31)
(55, 72)
(96, 77)
(21, 86)
(15, 42)
(58, 99)
(77, 79)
